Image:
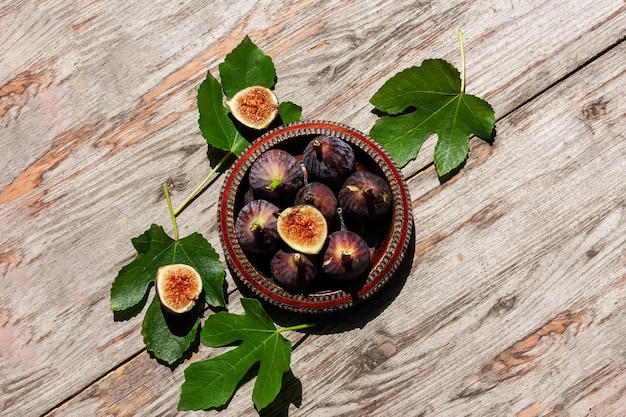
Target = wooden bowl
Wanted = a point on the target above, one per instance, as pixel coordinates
(391, 235)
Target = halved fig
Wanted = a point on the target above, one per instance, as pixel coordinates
(255, 106)
(346, 256)
(303, 228)
(292, 270)
(178, 287)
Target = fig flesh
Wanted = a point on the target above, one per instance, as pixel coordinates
(328, 159)
(178, 287)
(365, 196)
(292, 270)
(319, 195)
(255, 107)
(255, 227)
(303, 228)
(346, 257)
(276, 175)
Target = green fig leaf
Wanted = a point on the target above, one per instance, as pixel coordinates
(166, 335)
(212, 382)
(289, 112)
(155, 248)
(245, 66)
(430, 99)
(215, 124)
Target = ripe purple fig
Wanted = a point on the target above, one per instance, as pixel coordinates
(255, 227)
(303, 228)
(178, 287)
(346, 256)
(365, 196)
(320, 196)
(276, 175)
(328, 159)
(292, 270)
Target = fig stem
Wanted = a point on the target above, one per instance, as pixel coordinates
(204, 182)
(274, 184)
(342, 223)
(298, 327)
(297, 259)
(317, 146)
(171, 209)
(346, 256)
(257, 227)
(460, 34)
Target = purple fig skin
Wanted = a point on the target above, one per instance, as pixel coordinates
(320, 196)
(346, 256)
(328, 159)
(255, 227)
(292, 270)
(365, 196)
(276, 175)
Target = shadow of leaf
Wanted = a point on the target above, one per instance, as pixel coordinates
(290, 393)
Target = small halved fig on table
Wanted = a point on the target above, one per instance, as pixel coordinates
(255, 107)
(178, 287)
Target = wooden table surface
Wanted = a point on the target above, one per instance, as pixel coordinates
(515, 304)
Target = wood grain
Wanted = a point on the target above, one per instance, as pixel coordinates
(529, 316)
(97, 109)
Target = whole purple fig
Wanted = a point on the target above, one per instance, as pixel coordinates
(255, 227)
(365, 196)
(346, 257)
(328, 159)
(276, 175)
(292, 270)
(320, 196)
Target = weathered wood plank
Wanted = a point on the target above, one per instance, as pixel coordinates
(97, 109)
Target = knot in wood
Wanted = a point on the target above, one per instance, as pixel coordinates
(595, 110)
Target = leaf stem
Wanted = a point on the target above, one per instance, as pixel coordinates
(462, 61)
(171, 209)
(204, 182)
(298, 327)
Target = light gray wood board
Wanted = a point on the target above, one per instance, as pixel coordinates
(515, 303)
(97, 93)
